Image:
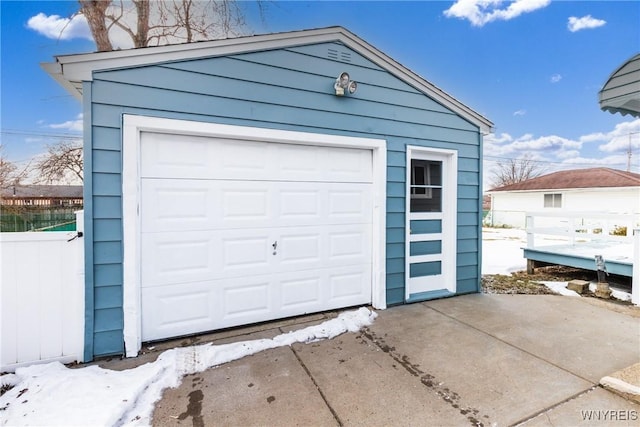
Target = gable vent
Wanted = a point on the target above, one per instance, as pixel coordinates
(338, 56)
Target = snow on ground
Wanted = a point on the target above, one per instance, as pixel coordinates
(561, 288)
(502, 250)
(53, 394)
(502, 254)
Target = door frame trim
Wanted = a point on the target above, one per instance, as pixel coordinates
(448, 234)
(132, 128)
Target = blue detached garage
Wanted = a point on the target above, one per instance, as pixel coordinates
(243, 180)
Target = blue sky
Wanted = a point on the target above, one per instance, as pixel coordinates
(533, 67)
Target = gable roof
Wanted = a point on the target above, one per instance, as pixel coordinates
(71, 70)
(621, 92)
(42, 191)
(577, 178)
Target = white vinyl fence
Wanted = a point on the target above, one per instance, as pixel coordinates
(41, 298)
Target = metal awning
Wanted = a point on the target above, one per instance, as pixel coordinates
(621, 92)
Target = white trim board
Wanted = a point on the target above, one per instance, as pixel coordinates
(132, 128)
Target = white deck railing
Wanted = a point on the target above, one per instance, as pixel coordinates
(576, 228)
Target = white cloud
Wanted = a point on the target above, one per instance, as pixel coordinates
(551, 142)
(623, 136)
(72, 125)
(556, 78)
(584, 23)
(481, 12)
(556, 152)
(597, 161)
(57, 27)
(520, 113)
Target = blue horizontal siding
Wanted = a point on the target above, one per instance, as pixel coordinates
(468, 286)
(396, 174)
(467, 272)
(107, 184)
(395, 265)
(464, 259)
(468, 205)
(288, 89)
(107, 207)
(395, 204)
(109, 319)
(395, 250)
(106, 161)
(320, 50)
(395, 235)
(108, 274)
(107, 229)
(108, 297)
(395, 296)
(107, 252)
(108, 343)
(395, 220)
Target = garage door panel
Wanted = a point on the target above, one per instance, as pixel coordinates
(173, 257)
(184, 205)
(207, 158)
(214, 304)
(235, 232)
(177, 205)
(172, 311)
(162, 159)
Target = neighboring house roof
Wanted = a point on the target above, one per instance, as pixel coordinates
(42, 191)
(577, 178)
(621, 92)
(71, 70)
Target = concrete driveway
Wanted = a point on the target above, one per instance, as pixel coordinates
(469, 360)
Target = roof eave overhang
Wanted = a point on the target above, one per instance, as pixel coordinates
(72, 70)
(543, 190)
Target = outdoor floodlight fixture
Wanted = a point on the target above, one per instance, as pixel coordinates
(344, 82)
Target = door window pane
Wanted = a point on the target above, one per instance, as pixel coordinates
(426, 186)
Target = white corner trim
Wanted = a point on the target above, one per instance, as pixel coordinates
(132, 129)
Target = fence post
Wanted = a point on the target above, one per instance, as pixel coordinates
(80, 289)
(529, 226)
(635, 281)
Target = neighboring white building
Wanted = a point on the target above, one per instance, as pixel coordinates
(596, 190)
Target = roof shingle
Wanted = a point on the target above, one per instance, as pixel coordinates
(577, 178)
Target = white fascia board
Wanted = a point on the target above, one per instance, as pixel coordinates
(568, 190)
(79, 68)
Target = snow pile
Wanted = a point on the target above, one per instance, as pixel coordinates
(561, 288)
(52, 394)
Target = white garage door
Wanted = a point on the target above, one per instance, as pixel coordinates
(236, 232)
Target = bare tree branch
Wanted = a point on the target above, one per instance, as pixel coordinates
(94, 11)
(513, 171)
(63, 159)
(162, 22)
(10, 174)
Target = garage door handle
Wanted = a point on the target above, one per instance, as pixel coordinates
(275, 245)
